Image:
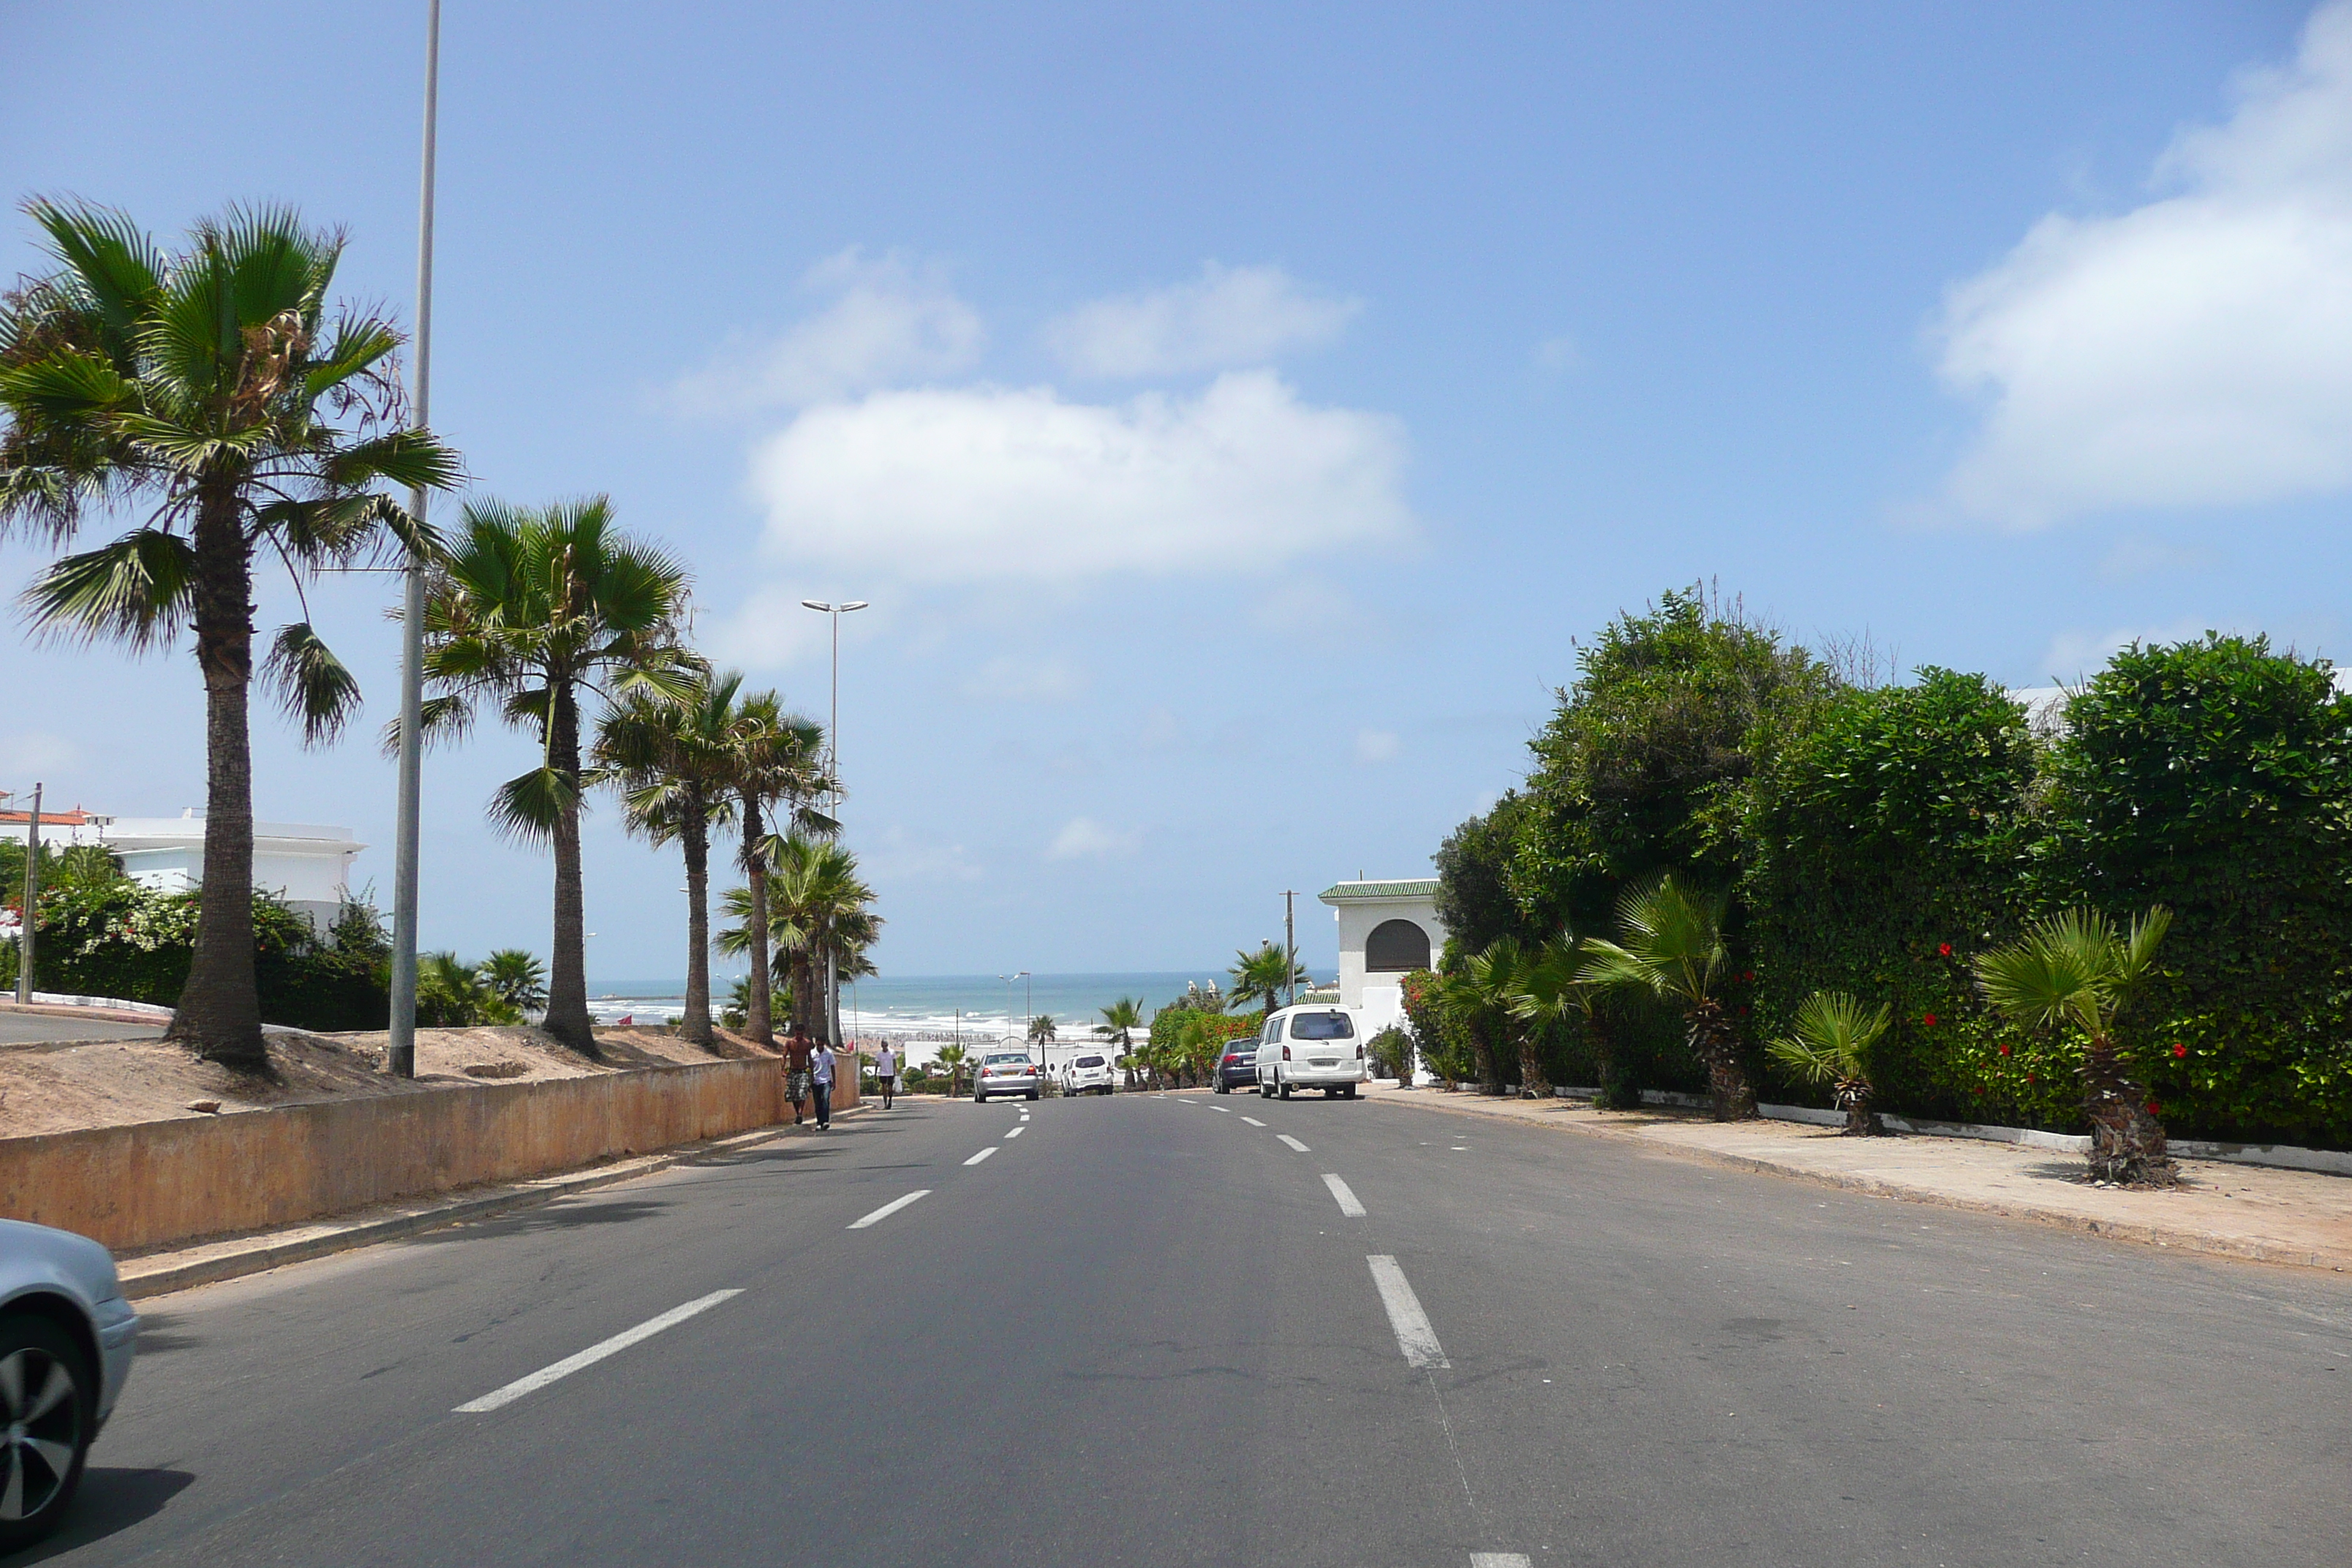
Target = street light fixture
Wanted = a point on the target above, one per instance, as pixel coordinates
(1022, 975)
(832, 766)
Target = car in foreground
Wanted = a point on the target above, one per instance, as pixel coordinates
(67, 1337)
(1315, 1046)
(1003, 1073)
(1087, 1074)
(1237, 1069)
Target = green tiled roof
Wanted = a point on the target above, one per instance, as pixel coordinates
(1366, 893)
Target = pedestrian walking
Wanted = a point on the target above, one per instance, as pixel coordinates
(886, 1072)
(820, 1082)
(796, 1073)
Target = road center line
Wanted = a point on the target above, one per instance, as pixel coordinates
(1348, 1204)
(886, 1210)
(1017, 1132)
(984, 1154)
(1499, 1560)
(1415, 1337)
(1294, 1143)
(1253, 1121)
(592, 1355)
(1223, 1110)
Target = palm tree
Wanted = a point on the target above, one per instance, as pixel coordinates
(774, 758)
(1044, 1030)
(953, 1058)
(1485, 996)
(451, 994)
(515, 974)
(1673, 950)
(1558, 980)
(1119, 1022)
(208, 389)
(1830, 1042)
(818, 911)
(674, 763)
(2074, 968)
(1264, 975)
(530, 608)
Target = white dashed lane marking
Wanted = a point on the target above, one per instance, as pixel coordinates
(1415, 1337)
(1348, 1204)
(1294, 1143)
(984, 1154)
(592, 1355)
(1016, 1132)
(886, 1210)
(1253, 1121)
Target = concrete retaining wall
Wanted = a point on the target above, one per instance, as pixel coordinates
(156, 1183)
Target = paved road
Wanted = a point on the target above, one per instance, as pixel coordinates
(1147, 1331)
(24, 1028)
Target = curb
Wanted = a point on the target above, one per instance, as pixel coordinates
(157, 1275)
(2198, 1241)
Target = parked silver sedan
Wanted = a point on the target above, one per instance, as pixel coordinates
(66, 1341)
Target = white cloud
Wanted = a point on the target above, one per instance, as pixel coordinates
(898, 856)
(1375, 745)
(2196, 351)
(2076, 656)
(2129, 558)
(771, 630)
(889, 322)
(1007, 676)
(983, 483)
(1229, 316)
(1083, 836)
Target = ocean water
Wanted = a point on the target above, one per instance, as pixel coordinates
(933, 1008)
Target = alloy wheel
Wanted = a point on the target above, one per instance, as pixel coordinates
(43, 1413)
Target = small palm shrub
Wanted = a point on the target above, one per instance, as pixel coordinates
(1830, 1042)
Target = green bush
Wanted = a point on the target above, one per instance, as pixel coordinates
(1390, 1054)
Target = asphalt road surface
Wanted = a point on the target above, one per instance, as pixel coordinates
(1148, 1329)
(27, 1028)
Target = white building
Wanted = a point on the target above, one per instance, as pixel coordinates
(306, 865)
(1385, 930)
(60, 829)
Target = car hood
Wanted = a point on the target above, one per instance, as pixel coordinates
(35, 1254)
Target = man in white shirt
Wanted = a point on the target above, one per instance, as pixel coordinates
(886, 1072)
(821, 1084)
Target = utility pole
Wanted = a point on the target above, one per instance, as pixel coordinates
(1289, 944)
(400, 1051)
(32, 893)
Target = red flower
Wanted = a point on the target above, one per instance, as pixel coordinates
(2154, 1108)
(1945, 951)
(1747, 976)
(2178, 1049)
(2004, 1050)
(1929, 1020)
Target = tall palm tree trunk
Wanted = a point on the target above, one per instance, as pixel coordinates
(758, 1021)
(694, 833)
(567, 977)
(219, 1010)
(803, 970)
(2127, 1143)
(1490, 1060)
(1533, 1084)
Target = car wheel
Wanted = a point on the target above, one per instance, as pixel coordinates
(1033, 1094)
(49, 1399)
(1282, 1090)
(1349, 1092)
(978, 1097)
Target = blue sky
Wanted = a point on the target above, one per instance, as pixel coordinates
(1236, 413)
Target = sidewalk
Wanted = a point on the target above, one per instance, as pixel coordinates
(2237, 1211)
(228, 1257)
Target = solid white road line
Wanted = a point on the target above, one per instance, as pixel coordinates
(1253, 1121)
(1499, 1560)
(1415, 1337)
(1348, 1203)
(1293, 1142)
(1223, 1110)
(592, 1355)
(886, 1210)
(984, 1154)
(1016, 1131)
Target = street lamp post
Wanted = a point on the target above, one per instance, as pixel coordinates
(400, 1052)
(1020, 974)
(832, 767)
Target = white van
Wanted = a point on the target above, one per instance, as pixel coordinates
(1312, 1046)
(1086, 1074)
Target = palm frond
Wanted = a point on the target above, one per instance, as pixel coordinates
(527, 807)
(1830, 1039)
(137, 590)
(312, 684)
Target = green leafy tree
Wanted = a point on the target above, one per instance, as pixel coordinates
(1673, 949)
(533, 610)
(517, 977)
(454, 996)
(1476, 900)
(1264, 976)
(816, 905)
(1438, 1034)
(2074, 970)
(1829, 1043)
(775, 765)
(1485, 996)
(674, 763)
(1563, 982)
(211, 390)
(739, 1003)
(952, 1059)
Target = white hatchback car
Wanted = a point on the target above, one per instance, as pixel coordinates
(1087, 1074)
(67, 1337)
(1313, 1045)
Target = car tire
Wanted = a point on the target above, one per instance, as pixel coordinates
(56, 1408)
(978, 1097)
(1282, 1090)
(1033, 1094)
(1349, 1092)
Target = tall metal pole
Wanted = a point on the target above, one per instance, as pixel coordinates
(32, 898)
(1289, 944)
(400, 1056)
(833, 762)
